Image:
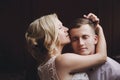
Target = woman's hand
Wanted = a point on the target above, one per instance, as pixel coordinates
(95, 19)
(92, 17)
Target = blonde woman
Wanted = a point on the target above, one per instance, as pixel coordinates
(46, 37)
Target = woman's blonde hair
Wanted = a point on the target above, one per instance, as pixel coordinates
(42, 36)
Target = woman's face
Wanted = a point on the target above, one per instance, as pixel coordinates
(63, 35)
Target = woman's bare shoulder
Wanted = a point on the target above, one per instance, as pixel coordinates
(65, 59)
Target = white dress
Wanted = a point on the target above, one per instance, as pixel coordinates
(48, 72)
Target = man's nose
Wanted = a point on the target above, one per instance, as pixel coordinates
(81, 41)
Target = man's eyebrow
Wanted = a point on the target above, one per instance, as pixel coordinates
(74, 36)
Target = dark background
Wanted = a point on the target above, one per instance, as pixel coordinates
(16, 15)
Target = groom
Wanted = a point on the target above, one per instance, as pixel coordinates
(83, 41)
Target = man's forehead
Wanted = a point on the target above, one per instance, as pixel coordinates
(84, 29)
(77, 34)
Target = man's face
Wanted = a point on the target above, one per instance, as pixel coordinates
(83, 40)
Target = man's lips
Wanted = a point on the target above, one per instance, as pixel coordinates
(82, 49)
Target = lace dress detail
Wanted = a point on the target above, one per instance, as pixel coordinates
(48, 70)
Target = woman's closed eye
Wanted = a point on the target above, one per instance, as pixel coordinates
(60, 27)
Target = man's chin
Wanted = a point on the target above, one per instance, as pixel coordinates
(84, 53)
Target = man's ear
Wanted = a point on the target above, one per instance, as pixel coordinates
(96, 39)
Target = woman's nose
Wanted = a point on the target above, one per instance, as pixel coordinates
(66, 29)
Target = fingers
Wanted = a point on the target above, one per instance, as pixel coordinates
(85, 16)
(93, 17)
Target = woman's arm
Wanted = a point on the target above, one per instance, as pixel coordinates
(101, 46)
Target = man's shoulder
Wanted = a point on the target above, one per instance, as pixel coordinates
(110, 70)
(111, 64)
